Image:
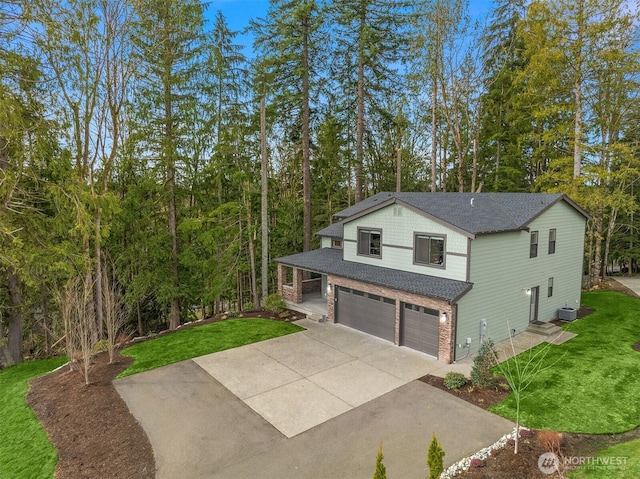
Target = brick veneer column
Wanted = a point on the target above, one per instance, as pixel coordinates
(446, 336)
(331, 300)
(297, 285)
(282, 278)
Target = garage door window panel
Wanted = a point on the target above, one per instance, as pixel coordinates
(370, 242)
(429, 250)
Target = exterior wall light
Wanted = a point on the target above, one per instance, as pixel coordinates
(443, 317)
(328, 288)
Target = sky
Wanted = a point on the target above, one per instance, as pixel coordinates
(239, 12)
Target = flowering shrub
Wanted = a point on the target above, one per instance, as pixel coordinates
(475, 462)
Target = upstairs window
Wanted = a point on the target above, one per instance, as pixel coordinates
(370, 242)
(533, 246)
(336, 243)
(552, 241)
(429, 250)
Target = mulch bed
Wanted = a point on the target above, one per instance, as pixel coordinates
(90, 425)
(96, 435)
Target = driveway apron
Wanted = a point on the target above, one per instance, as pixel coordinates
(311, 404)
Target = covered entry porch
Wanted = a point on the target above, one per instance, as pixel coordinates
(304, 291)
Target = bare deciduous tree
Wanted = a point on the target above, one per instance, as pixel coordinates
(78, 314)
(115, 316)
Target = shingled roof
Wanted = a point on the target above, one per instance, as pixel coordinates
(473, 213)
(329, 261)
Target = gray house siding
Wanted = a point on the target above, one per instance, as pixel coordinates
(503, 274)
(398, 226)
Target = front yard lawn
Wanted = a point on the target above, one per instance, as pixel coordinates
(594, 384)
(621, 461)
(25, 450)
(201, 340)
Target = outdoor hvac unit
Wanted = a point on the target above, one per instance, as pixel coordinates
(567, 314)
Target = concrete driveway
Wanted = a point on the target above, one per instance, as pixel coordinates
(312, 404)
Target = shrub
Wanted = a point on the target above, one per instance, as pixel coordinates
(100, 346)
(476, 462)
(381, 471)
(435, 458)
(454, 380)
(248, 306)
(550, 440)
(481, 374)
(525, 434)
(274, 303)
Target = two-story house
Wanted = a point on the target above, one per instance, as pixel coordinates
(439, 272)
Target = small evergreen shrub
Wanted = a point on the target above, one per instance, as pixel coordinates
(248, 306)
(381, 471)
(100, 346)
(435, 458)
(275, 303)
(485, 359)
(454, 380)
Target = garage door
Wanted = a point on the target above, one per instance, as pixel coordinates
(419, 328)
(367, 312)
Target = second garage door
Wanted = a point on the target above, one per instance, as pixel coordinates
(367, 312)
(419, 328)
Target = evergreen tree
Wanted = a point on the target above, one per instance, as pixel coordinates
(372, 37)
(504, 156)
(435, 458)
(168, 35)
(381, 471)
(289, 42)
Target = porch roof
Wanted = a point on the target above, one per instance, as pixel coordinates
(329, 261)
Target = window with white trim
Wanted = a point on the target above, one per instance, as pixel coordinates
(552, 241)
(533, 245)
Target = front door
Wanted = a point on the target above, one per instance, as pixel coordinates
(533, 304)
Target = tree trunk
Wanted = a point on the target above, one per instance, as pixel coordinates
(306, 160)
(360, 116)
(597, 250)
(45, 317)
(264, 201)
(252, 248)
(434, 133)
(399, 170)
(98, 283)
(139, 316)
(577, 132)
(169, 152)
(613, 215)
(11, 352)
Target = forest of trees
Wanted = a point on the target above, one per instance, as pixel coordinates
(138, 139)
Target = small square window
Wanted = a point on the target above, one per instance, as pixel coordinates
(533, 245)
(336, 244)
(552, 241)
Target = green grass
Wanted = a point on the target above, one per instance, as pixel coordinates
(206, 339)
(621, 461)
(594, 384)
(25, 450)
